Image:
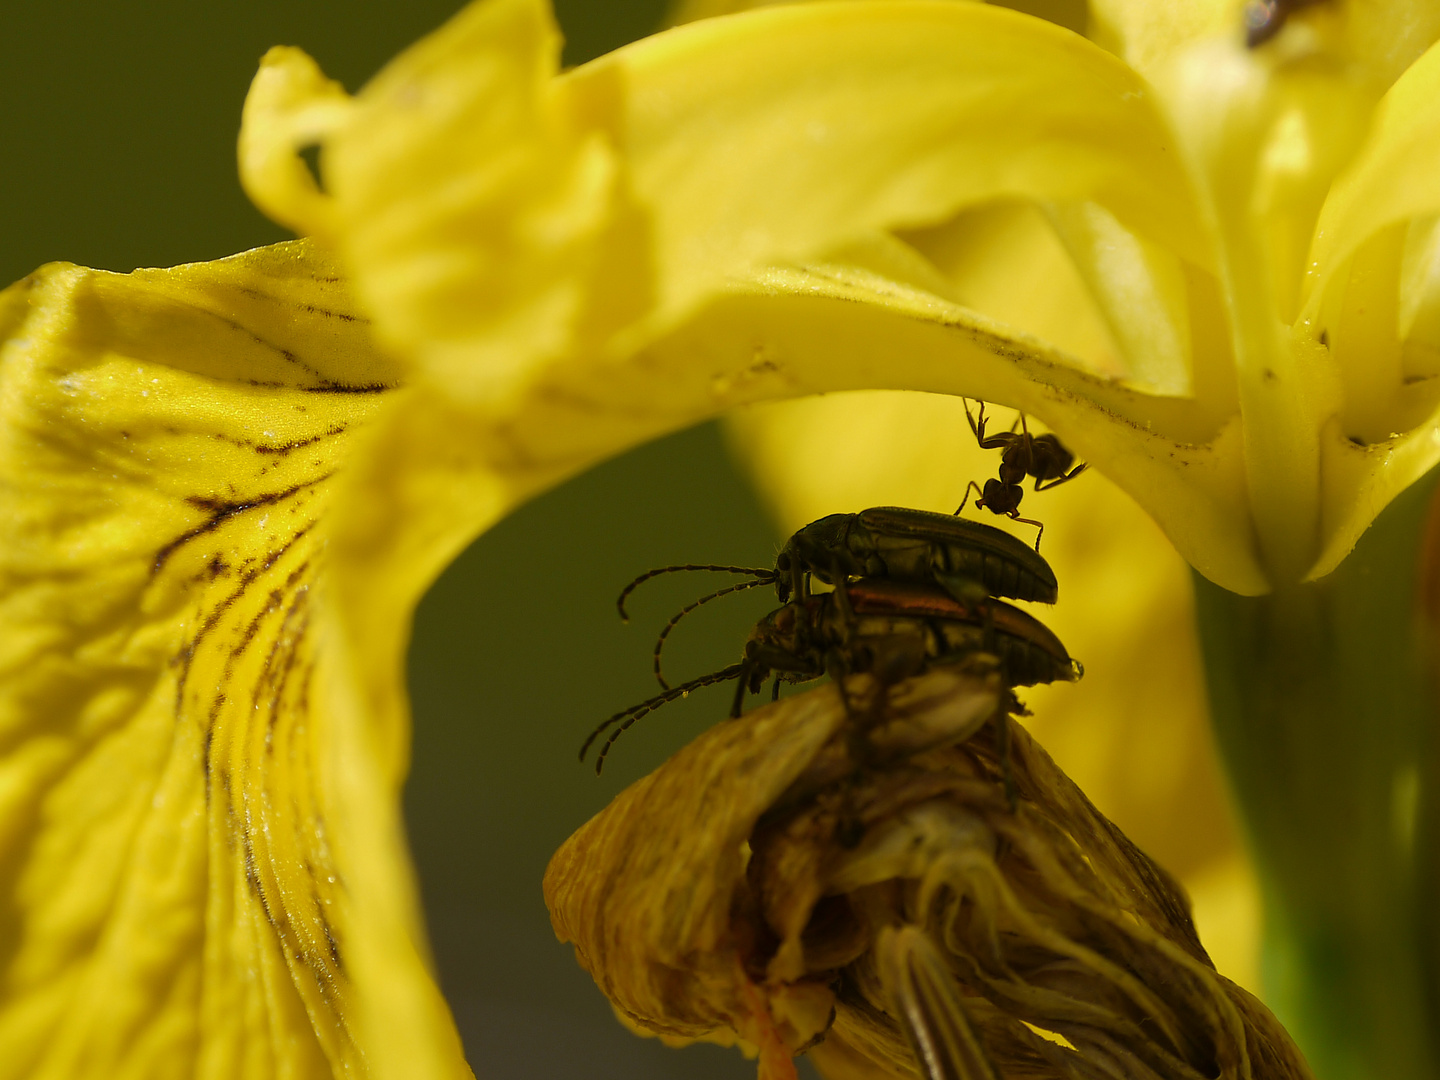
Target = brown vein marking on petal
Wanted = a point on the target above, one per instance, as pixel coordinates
(170, 442)
(261, 558)
(220, 511)
(1039, 942)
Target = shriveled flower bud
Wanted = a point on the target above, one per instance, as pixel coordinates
(881, 903)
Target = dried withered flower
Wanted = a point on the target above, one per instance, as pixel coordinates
(901, 919)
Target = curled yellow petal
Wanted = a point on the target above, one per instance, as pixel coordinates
(460, 180)
(291, 106)
(191, 816)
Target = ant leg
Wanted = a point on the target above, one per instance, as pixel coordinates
(1031, 521)
(1062, 479)
(994, 442)
(979, 502)
(1028, 443)
(978, 429)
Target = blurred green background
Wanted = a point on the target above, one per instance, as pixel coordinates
(119, 151)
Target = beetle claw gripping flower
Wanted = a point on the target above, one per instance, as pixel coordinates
(726, 892)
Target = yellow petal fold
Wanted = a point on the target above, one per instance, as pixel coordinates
(191, 815)
(793, 130)
(1368, 287)
(460, 179)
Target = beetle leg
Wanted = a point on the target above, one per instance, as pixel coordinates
(799, 583)
(849, 830)
(738, 705)
(923, 997)
(842, 597)
(1002, 751)
(839, 670)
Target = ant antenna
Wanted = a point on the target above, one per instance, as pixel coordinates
(768, 575)
(630, 715)
(665, 633)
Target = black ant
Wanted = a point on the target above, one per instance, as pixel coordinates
(1042, 456)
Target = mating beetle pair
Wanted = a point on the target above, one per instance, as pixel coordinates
(968, 560)
(911, 588)
(888, 628)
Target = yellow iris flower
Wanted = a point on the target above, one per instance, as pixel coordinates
(1213, 268)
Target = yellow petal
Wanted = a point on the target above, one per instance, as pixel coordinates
(522, 237)
(193, 816)
(1004, 260)
(694, 115)
(458, 179)
(1147, 35)
(684, 11)
(1369, 289)
(560, 337)
(1381, 36)
(1265, 135)
(1141, 291)
(882, 114)
(806, 333)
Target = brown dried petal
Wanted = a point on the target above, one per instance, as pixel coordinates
(759, 883)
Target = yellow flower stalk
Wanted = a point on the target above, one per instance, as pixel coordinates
(1209, 266)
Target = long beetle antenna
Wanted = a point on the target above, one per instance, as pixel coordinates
(626, 717)
(665, 633)
(754, 571)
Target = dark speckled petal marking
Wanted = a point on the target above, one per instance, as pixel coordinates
(170, 447)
